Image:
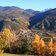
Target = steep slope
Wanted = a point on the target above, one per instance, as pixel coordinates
(44, 20)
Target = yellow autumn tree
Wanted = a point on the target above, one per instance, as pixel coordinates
(50, 46)
(6, 38)
(4, 34)
(38, 44)
(54, 47)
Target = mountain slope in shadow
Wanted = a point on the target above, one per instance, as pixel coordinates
(45, 20)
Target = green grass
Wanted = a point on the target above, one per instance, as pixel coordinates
(6, 54)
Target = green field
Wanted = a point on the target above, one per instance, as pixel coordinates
(6, 54)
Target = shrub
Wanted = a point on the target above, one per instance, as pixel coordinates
(23, 44)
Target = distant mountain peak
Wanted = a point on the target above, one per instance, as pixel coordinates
(31, 11)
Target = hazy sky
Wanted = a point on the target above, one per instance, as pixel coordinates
(30, 4)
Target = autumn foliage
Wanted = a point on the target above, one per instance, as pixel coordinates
(22, 43)
(51, 46)
(7, 37)
(41, 47)
(38, 44)
(4, 35)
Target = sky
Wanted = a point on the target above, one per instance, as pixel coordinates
(39, 5)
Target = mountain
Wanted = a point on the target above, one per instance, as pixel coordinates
(32, 12)
(15, 12)
(15, 17)
(44, 20)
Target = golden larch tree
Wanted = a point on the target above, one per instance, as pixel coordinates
(38, 44)
(50, 46)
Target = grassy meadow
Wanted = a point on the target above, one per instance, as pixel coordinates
(6, 54)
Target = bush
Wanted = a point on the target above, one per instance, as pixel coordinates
(23, 44)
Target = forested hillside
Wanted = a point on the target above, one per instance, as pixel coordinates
(26, 31)
(44, 20)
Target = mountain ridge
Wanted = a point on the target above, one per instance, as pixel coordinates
(46, 20)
